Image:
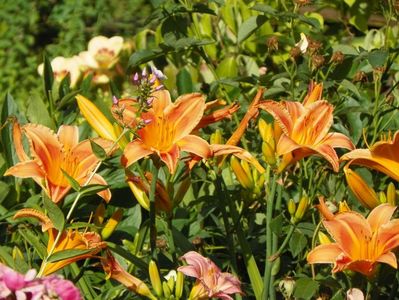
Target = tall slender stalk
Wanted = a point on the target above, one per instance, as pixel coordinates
(153, 228)
(269, 237)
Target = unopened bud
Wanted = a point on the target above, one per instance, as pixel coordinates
(171, 279)
(216, 137)
(98, 217)
(302, 208)
(343, 206)
(323, 238)
(382, 197)
(243, 177)
(155, 278)
(291, 207)
(179, 285)
(110, 226)
(391, 194)
(269, 154)
(166, 290)
(365, 194)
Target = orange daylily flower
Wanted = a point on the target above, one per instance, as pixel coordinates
(115, 271)
(383, 156)
(51, 153)
(360, 243)
(71, 239)
(167, 130)
(305, 129)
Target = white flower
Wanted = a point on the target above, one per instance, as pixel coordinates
(303, 43)
(62, 66)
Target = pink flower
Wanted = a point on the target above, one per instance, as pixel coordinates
(14, 285)
(211, 282)
(64, 289)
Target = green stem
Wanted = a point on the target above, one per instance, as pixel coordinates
(153, 228)
(249, 259)
(269, 237)
(172, 248)
(284, 244)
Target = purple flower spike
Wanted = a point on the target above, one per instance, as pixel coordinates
(150, 100)
(159, 87)
(115, 100)
(136, 78)
(144, 73)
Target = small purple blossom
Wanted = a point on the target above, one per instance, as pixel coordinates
(115, 100)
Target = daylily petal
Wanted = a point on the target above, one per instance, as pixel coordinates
(45, 221)
(351, 231)
(26, 169)
(56, 191)
(380, 216)
(161, 101)
(388, 235)
(134, 151)
(338, 140)
(365, 267)
(314, 94)
(17, 137)
(195, 144)
(286, 145)
(313, 125)
(252, 111)
(218, 149)
(327, 152)
(85, 156)
(98, 179)
(68, 136)
(324, 254)
(279, 113)
(389, 258)
(185, 114)
(217, 115)
(44, 145)
(171, 158)
(295, 109)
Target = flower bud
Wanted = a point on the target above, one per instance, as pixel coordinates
(110, 226)
(182, 190)
(243, 177)
(98, 217)
(291, 207)
(323, 238)
(216, 137)
(382, 197)
(391, 194)
(155, 278)
(301, 210)
(365, 194)
(96, 118)
(166, 290)
(343, 206)
(179, 285)
(269, 154)
(171, 279)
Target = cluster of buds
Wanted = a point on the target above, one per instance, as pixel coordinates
(128, 111)
(270, 133)
(297, 212)
(390, 196)
(109, 227)
(248, 177)
(172, 288)
(147, 84)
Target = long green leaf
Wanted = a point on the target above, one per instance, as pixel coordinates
(66, 254)
(54, 212)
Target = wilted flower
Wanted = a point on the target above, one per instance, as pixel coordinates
(211, 282)
(54, 153)
(64, 66)
(303, 43)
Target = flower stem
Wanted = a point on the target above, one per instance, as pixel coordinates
(153, 229)
(269, 237)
